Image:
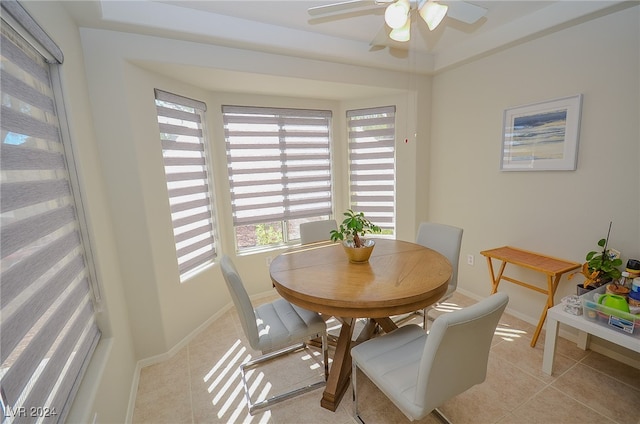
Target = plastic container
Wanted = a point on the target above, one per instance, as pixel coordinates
(613, 318)
(633, 268)
(635, 285)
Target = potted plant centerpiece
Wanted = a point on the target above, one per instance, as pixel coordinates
(600, 267)
(351, 232)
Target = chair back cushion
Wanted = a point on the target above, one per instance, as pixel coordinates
(240, 300)
(444, 239)
(456, 352)
(311, 232)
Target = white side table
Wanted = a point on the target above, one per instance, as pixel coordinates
(556, 315)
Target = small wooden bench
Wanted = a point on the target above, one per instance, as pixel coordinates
(552, 267)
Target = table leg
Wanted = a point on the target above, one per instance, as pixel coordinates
(550, 346)
(387, 324)
(340, 373)
(495, 281)
(552, 285)
(584, 339)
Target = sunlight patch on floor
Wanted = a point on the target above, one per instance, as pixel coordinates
(225, 382)
(509, 334)
(446, 307)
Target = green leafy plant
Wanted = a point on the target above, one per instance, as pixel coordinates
(601, 265)
(267, 234)
(354, 227)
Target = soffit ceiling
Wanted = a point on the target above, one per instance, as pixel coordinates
(355, 37)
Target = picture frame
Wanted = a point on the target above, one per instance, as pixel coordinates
(542, 136)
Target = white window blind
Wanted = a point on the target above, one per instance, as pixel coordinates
(279, 163)
(48, 330)
(372, 164)
(188, 182)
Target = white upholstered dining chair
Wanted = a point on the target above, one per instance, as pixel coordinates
(275, 329)
(446, 240)
(311, 232)
(417, 371)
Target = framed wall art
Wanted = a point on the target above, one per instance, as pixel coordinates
(542, 136)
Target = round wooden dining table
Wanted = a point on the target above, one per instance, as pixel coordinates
(400, 277)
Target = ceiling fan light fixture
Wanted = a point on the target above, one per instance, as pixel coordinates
(402, 34)
(397, 14)
(433, 13)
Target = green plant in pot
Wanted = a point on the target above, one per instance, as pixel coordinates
(601, 266)
(352, 231)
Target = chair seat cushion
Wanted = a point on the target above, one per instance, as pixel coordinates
(281, 324)
(392, 362)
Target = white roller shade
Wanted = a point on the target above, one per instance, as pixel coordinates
(372, 164)
(279, 163)
(48, 330)
(188, 181)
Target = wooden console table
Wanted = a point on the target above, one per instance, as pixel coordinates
(552, 267)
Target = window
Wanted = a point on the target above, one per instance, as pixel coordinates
(372, 164)
(48, 331)
(279, 167)
(181, 122)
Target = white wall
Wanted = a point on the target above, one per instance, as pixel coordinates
(562, 213)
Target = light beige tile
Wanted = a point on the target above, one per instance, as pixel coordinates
(165, 373)
(505, 388)
(553, 406)
(201, 384)
(306, 409)
(529, 359)
(615, 369)
(601, 392)
(164, 392)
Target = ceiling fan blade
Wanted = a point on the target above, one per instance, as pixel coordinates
(465, 12)
(337, 7)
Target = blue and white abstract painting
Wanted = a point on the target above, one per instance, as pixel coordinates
(542, 136)
(539, 136)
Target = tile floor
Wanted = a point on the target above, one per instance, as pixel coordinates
(201, 384)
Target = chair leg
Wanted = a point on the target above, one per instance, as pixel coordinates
(425, 318)
(356, 413)
(325, 356)
(438, 413)
(254, 407)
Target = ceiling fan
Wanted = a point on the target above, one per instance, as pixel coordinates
(398, 13)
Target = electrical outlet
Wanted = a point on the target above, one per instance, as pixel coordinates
(470, 259)
(269, 260)
(615, 254)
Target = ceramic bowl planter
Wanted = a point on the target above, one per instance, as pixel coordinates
(359, 255)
